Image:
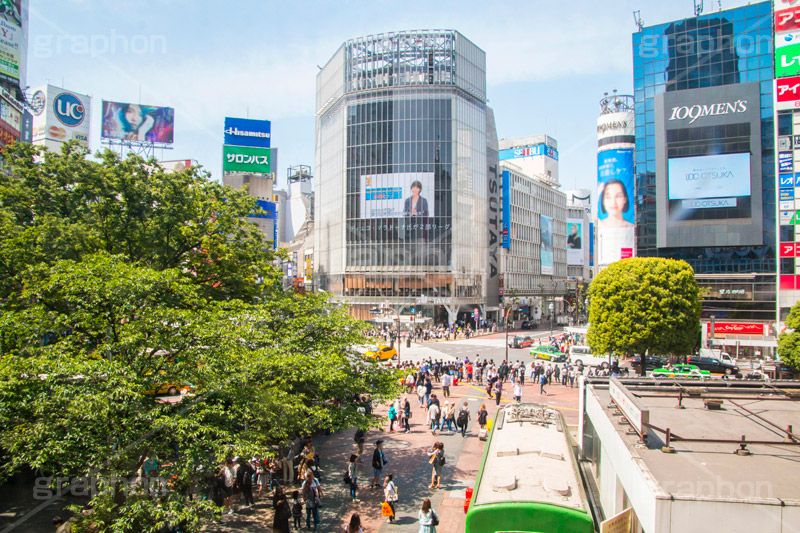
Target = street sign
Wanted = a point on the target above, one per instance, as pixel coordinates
(620, 523)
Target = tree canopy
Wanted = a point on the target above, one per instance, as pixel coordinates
(117, 278)
(644, 304)
(789, 341)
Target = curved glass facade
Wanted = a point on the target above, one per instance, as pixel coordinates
(403, 191)
(727, 48)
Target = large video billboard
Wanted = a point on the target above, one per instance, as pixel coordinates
(60, 115)
(546, 235)
(405, 194)
(135, 122)
(13, 40)
(615, 205)
(247, 132)
(708, 182)
(575, 241)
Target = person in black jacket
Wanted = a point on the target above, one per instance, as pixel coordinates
(378, 460)
(244, 478)
(280, 523)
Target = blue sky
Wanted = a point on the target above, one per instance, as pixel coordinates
(548, 62)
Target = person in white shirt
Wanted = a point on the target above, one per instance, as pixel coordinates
(518, 392)
(447, 381)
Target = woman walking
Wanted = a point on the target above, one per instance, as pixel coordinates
(437, 460)
(428, 520)
(392, 417)
(390, 492)
(352, 473)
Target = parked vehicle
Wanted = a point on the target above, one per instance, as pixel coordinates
(529, 324)
(582, 355)
(651, 362)
(717, 354)
(681, 371)
(713, 365)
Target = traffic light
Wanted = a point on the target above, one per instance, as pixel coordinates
(412, 318)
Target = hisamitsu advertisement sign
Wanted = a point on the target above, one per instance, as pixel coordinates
(248, 132)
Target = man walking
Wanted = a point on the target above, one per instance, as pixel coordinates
(447, 380)
(498, 391)
(542, 382)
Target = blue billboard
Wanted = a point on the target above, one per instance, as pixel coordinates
(529, 151)
(506, 209)
(271, 213)
(615, 206)
(247, 132)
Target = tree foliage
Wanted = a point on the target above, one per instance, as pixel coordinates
(644, 304)
(789, 341)
(117, 278)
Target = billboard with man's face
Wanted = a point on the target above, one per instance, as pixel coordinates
(135, 122)
(406, 194)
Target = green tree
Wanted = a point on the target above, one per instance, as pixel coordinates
(789, 342)
(118, 278)
(644, 305)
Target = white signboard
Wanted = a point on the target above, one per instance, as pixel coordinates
(711, 176)
(60, 115)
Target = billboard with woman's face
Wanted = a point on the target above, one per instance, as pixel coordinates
(615, 205)
(546, 246)
(407, 194)
(135, 122)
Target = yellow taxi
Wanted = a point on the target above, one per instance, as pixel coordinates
(382, 353)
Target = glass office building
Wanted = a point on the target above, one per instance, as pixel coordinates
(705, 153)
(407, 199)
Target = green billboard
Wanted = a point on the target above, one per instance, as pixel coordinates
(787, 60)
(246, 159)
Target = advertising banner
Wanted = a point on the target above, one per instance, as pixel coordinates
(787, 19)
(615, 206)
(406, 194)
(60, 115)
(506, 209)
(247, 132)
(546, 234)
(785, 161)
(787, 61)
(13, 39)
(135, 122)
(7, 135)
(11, 113)
(575, 241)
(713, 176)
(529, 151)
(246, 159)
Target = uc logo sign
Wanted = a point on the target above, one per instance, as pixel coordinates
(69, 110)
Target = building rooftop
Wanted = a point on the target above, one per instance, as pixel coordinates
(703, 459)
(530, 459)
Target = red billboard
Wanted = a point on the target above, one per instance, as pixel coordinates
(736, 328)
(789, 249)
(787, 19)
(787, 89)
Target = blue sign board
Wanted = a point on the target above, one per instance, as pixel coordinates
(591, 243)
(785, 161)
(506, 209)
(269, 207)
(786, 194)
(529, 151)
(247, 132)
(786, 180)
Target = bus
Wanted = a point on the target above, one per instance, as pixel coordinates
(529, 479)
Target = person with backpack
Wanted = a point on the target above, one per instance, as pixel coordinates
(437, 460)
(483, 416)
(463, 419)
(297, 509)
(542, 383)
(428, 519)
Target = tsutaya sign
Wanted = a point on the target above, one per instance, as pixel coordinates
(698, 111)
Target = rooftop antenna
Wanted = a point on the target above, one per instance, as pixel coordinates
(719, 4)
(637, 18)
(698, 7)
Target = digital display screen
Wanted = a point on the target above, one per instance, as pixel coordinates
(396, 195)
(721, 177)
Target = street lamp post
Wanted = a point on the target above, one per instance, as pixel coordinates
(380, 311)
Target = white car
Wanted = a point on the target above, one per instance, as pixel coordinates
(582, 355)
